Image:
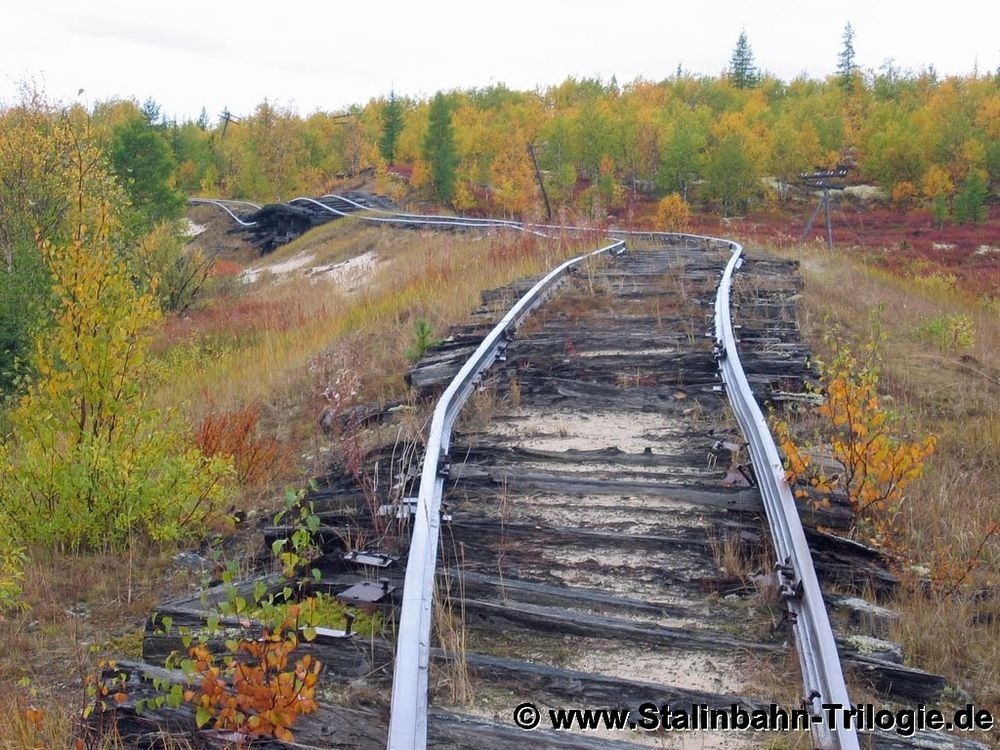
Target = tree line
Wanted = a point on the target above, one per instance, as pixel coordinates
(89, 261)
(713, 140)
(728, 143)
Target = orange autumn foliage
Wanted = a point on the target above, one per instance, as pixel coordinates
(234, 434)
(862, 437)
(256, 692)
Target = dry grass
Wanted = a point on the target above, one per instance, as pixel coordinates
(78, 610)
(263, 343)
(289, 346)
(48, 722)
(454, 683)
(954, 393)
(292, 345)
(730, 556)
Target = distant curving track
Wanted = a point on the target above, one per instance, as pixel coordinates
(225, 206)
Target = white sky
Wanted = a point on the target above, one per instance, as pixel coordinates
(326, 55)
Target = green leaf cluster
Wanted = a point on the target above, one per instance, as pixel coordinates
(88, 463)
(12, 560)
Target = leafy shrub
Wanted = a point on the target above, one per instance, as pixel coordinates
(301, 546)
(321, 611)
(12, 561)
(673, 214)
(863, 437)
(88, 463)
(259, 686)
(161, 263)
(266, 694)
(948, 331)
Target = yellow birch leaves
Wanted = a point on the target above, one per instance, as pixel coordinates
(874, 464)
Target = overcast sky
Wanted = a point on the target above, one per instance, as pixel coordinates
(327, 55)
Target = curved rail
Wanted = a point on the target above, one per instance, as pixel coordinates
(463, 222)
(408, 717)
(821, 672)
(222, 204)
(440, 220)
(466, 220)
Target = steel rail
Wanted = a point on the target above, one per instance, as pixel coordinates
(447, 219)
(440, 220)
(394, 218)
(418, 219)
(520, 225)
(818, 657)
(820, 663)
(222, 204)
(408, 717)
(399, 217)
(225, 200)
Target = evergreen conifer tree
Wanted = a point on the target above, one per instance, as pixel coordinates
(392, 126)
(845, 60)
(439, 148)
(741, 66)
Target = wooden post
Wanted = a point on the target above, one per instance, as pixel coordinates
(829, 228)
(812, 220)
(538, 176)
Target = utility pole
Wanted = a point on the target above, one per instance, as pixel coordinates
(821, 179)
(538, 176)
(227, 117)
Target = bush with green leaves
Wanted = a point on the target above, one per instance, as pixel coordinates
(160, 262)
(948, 331)
(12, 560)
(88, 463)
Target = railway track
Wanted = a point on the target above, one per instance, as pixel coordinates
(603, 540)
(596, 506)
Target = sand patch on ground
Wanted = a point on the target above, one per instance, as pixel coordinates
(349, 274)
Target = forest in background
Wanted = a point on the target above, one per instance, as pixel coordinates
(728, 145)
(93, 262)
(597, 144)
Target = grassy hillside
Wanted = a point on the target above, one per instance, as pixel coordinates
(940, 369)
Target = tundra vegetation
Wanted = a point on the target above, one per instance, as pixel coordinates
(149, 392)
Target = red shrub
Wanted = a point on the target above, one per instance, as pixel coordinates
(257, 459)
(222, 268)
